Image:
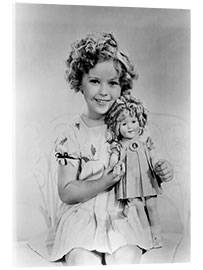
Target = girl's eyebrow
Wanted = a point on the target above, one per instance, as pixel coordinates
(92, 76)
(114, 78)
(97, 77)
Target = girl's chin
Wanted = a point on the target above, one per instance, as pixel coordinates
(102, 110)
(97, 115)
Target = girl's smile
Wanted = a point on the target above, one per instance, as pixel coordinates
(102, 102)
(100, 87)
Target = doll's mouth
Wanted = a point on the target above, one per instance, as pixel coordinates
(131, 132)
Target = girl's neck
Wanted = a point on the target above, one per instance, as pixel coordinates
(92, 122)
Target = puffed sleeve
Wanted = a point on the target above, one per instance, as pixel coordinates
(147, 139)
(115, 147)
(151, 147)
(67, 147)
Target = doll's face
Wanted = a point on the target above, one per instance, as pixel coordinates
(100, 88)
(129, 127)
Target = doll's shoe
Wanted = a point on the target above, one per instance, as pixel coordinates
(157, 242)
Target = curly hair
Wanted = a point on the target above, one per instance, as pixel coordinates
(94, 48)
(124, 106)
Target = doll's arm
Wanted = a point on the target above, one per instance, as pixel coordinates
(152, 151)
(154, 157)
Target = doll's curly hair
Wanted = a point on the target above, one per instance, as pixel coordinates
(94, 48)
(126, 105)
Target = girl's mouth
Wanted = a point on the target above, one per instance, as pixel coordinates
(102, 102)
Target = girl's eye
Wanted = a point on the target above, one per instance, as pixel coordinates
(94, 81)
(113, 83)
(134, 121)
(123, 124)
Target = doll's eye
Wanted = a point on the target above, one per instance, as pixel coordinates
(134, 121)
(124, 124)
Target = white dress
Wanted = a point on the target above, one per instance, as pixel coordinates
(99, 223)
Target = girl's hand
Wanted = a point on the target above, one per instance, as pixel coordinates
(164, 170)
(116, 173)
(114, 159)
(119, 169)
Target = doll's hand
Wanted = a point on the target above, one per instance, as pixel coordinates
(164, 170)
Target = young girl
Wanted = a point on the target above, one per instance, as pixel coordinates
(132, 144)
(92, 228)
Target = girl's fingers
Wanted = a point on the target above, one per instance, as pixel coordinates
(163, 166)
(123, 167)
(163, 172)
(117, 178)
(118, 171)
(166, 175)
(164, 169)
(167, 178)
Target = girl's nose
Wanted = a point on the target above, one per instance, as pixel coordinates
(103, 89)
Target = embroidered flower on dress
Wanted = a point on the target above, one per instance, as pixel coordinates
(91, 156)
(77, 125)
(93, 150)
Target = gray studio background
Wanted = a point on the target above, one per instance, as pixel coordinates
(157, 40)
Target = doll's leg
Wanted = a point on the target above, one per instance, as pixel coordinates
(138, 205)
(141, 212)
(151, 205)
(80, 256)
(128, 254)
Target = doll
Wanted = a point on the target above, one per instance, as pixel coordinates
(132, 144)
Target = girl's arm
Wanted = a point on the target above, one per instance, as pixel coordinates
(72, 191)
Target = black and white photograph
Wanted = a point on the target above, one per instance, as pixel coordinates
(102, 135)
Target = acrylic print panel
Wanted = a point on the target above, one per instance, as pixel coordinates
(158, 42)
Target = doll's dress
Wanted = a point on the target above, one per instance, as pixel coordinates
(98, 223)
(140, 179)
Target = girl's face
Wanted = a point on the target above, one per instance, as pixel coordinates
(129, 127)
(100, 88)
